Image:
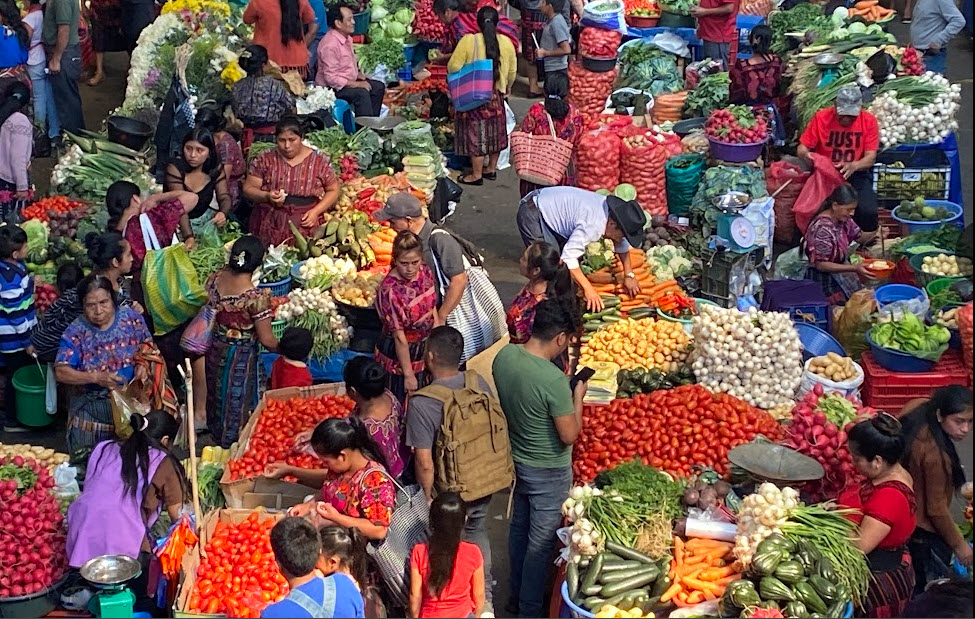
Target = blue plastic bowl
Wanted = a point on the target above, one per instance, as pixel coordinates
(816, 342)
(889, 293)
(897, 361)
(278, 289)
(570, 610)
(848, 610)
(957, 218)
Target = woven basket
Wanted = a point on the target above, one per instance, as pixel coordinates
(540, 159)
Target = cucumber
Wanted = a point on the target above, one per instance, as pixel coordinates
(617, 599)
(611, 318)
(628, 600)
(613, 566)
(590, 589)
(595, 567)
(621, 575)
(572, 579)
(610, 558)
(660, 586)
(593, 603)
(637, 581)
(610, 300)
(628, 553)
(593, 325)
(584, 563)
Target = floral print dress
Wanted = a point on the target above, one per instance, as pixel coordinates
(828, 240)
(367, 493)
(388, 434)
(569, 129)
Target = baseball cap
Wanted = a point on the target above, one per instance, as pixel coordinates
(399, 206)
(849, 101)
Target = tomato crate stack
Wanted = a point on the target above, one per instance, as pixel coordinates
(890, 391)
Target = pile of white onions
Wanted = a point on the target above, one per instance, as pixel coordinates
(900, 123)
(761, 515)
(753, 355)
(584, 539)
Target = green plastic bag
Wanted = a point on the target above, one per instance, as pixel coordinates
(173, 292)
(684, 174)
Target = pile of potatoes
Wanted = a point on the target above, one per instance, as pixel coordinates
(45, 456)
(834, 367)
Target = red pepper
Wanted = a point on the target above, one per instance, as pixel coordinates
(366, 193)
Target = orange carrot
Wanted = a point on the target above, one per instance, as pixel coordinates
(678, 551)
(700, 585)
(728, 579)
(716, 573)
(696, 597)
(674, 590)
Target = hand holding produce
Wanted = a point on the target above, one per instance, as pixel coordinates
(834, 367)
(736, 125)
(945, 265)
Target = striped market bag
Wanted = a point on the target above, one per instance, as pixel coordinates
(473, 85)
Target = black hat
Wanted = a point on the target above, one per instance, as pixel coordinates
(629, 217)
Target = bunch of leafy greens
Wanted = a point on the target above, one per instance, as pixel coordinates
(366, 145)
(333, 141)
(655, 491)
(721, 180)
(800, 18)
(646, 67)
(945, 236)
(208, 480)
(679, 7)
(385, 52)
(711, 94)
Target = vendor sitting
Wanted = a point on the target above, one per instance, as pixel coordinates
(118, 506)
(259, 100)
(849, 137)
(827, 245)
(570, 218)
(338, 69)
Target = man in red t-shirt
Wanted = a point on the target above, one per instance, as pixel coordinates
(850, 138)
(717, 27)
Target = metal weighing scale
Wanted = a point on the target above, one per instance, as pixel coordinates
(828, 63)
(733, 227)
(108, 574)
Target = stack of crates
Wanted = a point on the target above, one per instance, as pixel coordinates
(890, 391)
(907, 175)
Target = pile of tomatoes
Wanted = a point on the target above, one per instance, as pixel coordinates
(44, 209)
(281, 421)
(673, 430)
(238, 576)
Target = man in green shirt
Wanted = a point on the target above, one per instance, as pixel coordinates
(544, 419)
(60, 38)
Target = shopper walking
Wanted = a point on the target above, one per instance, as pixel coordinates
(934, 24)
(285, 28)
(544, 419)
(64, 61)
(45, 113)
(555, 43)
(105, 20)
(460, 17)
(16, 144)
(481, 133)
(339, 70)
(554, 113)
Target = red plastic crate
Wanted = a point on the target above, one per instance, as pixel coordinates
(890, 391)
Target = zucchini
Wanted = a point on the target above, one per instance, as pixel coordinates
(595, 567)
(611, 318)
(617, 599)
(594, 325)
(572, 579)
(660, 586)
(593, 603)
(628, 553)
(619, 576)
(637, 581)
(622, 565)
(628, 600)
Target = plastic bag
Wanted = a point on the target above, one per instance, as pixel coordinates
(671, 43)
(605, 14)
(599, 43)
(851, 325)
(684, 174)
(916, 306)
(845, 388)
(788, 178)
(66, 481)
(824, 179)
(51, 391)
(791, 264)
(126, 401)
(510, 123)
(761, 214)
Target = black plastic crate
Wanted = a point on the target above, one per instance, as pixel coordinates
(716, 270)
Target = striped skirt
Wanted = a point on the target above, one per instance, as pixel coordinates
(481, 131)
(889, 591)
(90, 420)
(231, 386)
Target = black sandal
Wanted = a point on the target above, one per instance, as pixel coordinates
(493, 176)
(460, 179)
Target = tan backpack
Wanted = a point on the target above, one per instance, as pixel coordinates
(471, 454)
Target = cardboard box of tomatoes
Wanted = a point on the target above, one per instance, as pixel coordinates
(242, 492)
(191, 559)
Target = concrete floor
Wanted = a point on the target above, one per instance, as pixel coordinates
(486, 217)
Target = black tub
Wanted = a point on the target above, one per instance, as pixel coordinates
(128, 132)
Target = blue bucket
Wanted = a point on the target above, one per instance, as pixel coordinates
(957, 217)
(570, 610)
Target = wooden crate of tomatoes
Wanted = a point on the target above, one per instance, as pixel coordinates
(231, 571)
(270, 433)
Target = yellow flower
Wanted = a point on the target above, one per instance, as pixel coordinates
(213, 7)
(231, 73)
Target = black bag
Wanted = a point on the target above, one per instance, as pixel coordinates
(175, 121)
(445, 193)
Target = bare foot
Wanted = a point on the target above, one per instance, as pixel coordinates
(96, 79)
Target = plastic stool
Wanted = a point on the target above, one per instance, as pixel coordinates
(343, 115)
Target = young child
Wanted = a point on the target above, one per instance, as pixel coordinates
(297, 548)
(554, 45)
(290, 370)
(46, 335)
(343, 561)
(446, 574)
(17, 316)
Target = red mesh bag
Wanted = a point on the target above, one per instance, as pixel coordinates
(643, 159)
(776, 176)
(588, 90)
(598, 159)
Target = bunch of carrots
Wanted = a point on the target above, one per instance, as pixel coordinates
(610, 281)
(871, 11)
(381, 242)
(700, 571)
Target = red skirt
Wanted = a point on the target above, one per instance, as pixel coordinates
(481, 131)
(270, 223)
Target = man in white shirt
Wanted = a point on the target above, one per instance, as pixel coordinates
(570, 218)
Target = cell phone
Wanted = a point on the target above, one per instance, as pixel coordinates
(580, 377)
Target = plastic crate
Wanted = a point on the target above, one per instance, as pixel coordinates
(890, 391)
(716, 274)
(893, 183)
(803, 301)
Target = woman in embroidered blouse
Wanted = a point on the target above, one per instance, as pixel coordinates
(243, 319)
(378, 409)
(231, 156)
(164, 210)
(200, 171)
(756, 80)
(407, 306)
(98, 352)
(547, 277)
(357, 490)
(827, 245)
(885, 500)
(292, 183)
(259, 100)
(565, 119)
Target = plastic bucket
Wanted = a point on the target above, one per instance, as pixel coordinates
(909, 226)
(30, 384)
(570, 610)
(735, 153)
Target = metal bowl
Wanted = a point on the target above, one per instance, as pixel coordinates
(108, 570)
(731, 201)
(771, 462)
(828, 60)
(379, 125)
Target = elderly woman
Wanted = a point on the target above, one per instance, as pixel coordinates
(243, 319)
(98, 353)
(290, 184)
(259, 100)
(827, 245)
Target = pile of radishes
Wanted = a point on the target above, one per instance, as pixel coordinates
(737, 124)
(820, 422)
(32, 535)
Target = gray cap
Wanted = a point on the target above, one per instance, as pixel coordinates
(849, 101)
(400, 206)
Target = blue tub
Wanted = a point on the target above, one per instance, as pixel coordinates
(897, 361)
(278, 289)
(570, 610)
(957, 219)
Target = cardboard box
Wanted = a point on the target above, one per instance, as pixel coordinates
(191, 559)
(276, 494)
(235, 491)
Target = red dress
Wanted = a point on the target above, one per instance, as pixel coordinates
(569, 129)
(284, 374)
